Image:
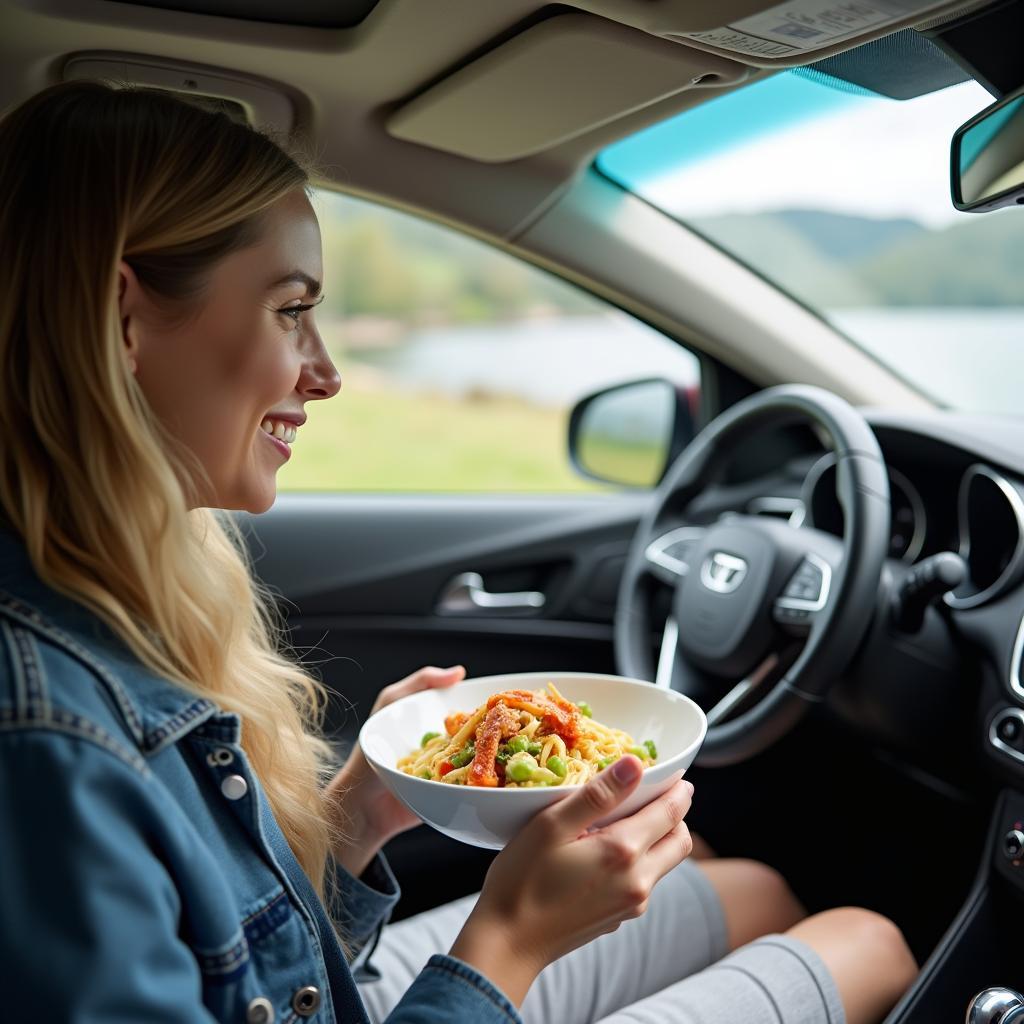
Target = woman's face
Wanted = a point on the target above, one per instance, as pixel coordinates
(247, 360)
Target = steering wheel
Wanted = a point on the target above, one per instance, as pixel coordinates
(781, 609)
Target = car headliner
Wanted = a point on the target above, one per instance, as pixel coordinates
(345, 83)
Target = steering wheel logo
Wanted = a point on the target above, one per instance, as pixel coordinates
(723, 573)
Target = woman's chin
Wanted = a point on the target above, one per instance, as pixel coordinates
(254, 497)
(262, 504)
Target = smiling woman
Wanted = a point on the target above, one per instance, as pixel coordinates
(154, 315)
(246, 361)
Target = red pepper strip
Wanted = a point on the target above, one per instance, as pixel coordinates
(562, 718)
(498, 723)
(445, 768)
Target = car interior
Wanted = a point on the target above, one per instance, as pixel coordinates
(808, 516)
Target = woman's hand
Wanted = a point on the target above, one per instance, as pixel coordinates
(364, 810)
(557, 886)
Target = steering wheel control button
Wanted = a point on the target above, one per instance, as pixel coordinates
(306, 1001)
(805, 583)
(1013, 844)
(791, 616)
(259, 1011)
(234, 787)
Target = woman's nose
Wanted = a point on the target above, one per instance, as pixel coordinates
(320, 377)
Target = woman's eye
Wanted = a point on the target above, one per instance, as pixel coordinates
(294, 312)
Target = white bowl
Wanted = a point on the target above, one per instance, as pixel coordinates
(491, 817)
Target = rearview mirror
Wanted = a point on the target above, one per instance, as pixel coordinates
(987, 157)
(627, 434)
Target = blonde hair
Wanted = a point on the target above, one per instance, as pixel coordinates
(91, 174)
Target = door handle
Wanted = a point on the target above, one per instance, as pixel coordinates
(466, 595)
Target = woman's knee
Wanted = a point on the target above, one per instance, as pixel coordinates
(867, 956)
(756, 899)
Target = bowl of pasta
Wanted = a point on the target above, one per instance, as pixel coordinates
(478, 760)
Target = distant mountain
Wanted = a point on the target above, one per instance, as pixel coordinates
(975, 262)
(833, 261)
(777, 245)
(850, 239)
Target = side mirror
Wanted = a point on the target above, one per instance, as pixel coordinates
(987, 157)
(628, 434)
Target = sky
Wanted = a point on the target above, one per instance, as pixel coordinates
(799, 144)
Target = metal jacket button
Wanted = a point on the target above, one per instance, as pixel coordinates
(234, 787)
(306, 1001)
(259, 1011)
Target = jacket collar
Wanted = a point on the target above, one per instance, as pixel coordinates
(156, 710)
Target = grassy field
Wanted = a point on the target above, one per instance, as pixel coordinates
(379, 439)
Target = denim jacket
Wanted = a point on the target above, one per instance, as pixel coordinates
(143, 878)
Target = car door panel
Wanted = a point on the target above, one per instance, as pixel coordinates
(360, 579)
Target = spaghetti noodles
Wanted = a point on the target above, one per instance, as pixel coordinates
(522, 738)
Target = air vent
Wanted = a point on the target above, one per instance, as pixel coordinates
(1017, 663)
(991, 514)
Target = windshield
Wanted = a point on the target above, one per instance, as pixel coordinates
(841, 197)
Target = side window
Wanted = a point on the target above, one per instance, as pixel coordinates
(459, 363)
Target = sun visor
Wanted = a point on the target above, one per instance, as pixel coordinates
(555, 80)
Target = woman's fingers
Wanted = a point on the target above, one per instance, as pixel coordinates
(648, 825)
(428, 678)
(669, 851)
(592, 801)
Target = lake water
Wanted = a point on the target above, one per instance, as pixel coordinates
(972, 359)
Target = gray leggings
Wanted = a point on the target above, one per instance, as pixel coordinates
(667, 967)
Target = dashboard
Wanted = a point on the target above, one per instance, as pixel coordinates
(944, 497)
(822, 509)
(953, 688)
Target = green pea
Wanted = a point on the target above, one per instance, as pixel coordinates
(518, 744)
(534, 748)
(604, 762)
(640, 752)
(519, 771)
(557, 765)
(463, 757)
(651, 749)
(585, 709)
(427, 737)
(426, 773)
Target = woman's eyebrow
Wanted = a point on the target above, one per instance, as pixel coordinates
(298, 277)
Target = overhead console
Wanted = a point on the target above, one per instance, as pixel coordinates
(624, 55)
(772, 34)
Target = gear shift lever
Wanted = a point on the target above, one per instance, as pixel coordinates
(996, 1006)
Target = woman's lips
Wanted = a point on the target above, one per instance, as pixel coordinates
(280, 445)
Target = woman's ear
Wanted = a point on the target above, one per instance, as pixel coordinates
(130, 298)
